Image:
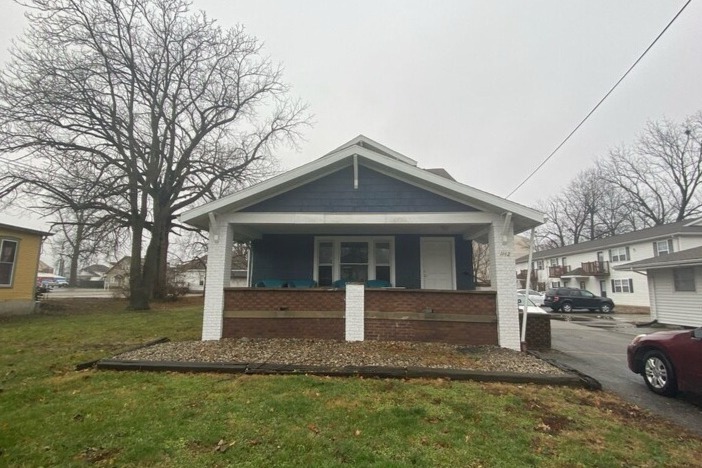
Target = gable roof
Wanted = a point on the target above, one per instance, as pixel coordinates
(375, 156)
(681, 228)
(689, 257)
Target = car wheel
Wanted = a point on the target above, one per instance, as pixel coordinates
(567, 307)
(605, 308)
(658, 374)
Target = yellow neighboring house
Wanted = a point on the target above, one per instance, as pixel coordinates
(19, 259)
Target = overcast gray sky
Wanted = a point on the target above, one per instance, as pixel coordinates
(484, 89)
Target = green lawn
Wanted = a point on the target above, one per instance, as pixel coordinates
(52, 415)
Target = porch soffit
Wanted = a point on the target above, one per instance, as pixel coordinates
(470, 225)
(524, 218)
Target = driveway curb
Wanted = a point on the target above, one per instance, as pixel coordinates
(570, 380)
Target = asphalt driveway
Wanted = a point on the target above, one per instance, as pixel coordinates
(597, 347)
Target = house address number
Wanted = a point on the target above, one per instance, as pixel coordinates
(505, 253)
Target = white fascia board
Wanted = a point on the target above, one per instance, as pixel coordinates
(246, 218)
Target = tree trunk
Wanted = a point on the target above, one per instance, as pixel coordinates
(160, 286)
(75, 255)
(139, 290)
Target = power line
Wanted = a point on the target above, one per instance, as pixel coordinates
(600, 101)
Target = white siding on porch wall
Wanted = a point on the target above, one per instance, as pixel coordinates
(675, 307)
(502, 277)
(219, 261)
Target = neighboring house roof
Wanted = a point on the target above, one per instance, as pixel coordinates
(15, 227)
(681, 228)
(689, 257)
(93, 272)
(97, 268)
(198, 263)
(122, 266)
(375, 156)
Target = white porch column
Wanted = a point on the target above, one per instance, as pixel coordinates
(219, 265)
(503, 280)
(355, 312)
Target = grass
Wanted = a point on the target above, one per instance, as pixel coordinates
(52, 415)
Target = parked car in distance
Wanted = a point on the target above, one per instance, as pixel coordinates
(536, 296)
(569, 299)
(531, 307)
(61, 283)
(669, 361)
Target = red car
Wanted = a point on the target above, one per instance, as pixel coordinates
(669, 361)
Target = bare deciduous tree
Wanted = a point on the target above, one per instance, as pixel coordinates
(157, 106)
(661, 174)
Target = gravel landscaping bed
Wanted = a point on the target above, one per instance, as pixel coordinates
(336, 354)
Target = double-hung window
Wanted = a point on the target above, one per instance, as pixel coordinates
(354, 259)
(619, 254)
(662, 247)
(8, 259)
(623, 285)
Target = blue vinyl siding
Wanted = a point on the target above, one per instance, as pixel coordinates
(407, 261)
(287, 257)
(284, 257)
(377, 193)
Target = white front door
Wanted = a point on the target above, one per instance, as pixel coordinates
(437, 263)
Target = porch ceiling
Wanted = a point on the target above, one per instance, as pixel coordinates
(247, 226)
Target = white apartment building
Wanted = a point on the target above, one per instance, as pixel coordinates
(590, 265)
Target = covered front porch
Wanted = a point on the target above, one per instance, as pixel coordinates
(414, 276)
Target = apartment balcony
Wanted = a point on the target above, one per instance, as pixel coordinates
(523, 274)
(558, 271)
(596, 268)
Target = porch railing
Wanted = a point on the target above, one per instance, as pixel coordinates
(558, 271)
(596, 268)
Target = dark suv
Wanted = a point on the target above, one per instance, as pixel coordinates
(568, 299)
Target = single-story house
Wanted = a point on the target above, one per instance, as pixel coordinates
(192, 274)
(592, 265)
(674, 286)
(20, 248)
(92, 276)
(387, 244)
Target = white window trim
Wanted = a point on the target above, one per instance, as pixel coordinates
(14, 262)
(658, 249)
(336, 254)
